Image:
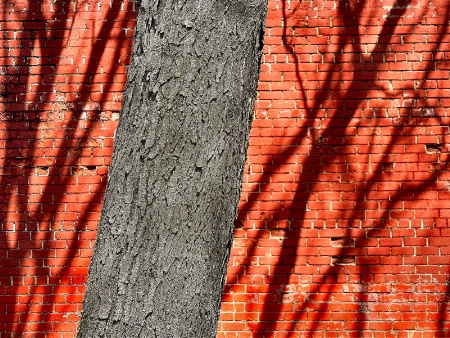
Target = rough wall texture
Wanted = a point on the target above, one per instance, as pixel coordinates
(343, 228)
(344, 220)
(62, 73)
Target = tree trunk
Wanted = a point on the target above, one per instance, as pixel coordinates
(166, 229)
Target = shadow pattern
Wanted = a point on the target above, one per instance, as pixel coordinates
(62, 73)
(343, 221)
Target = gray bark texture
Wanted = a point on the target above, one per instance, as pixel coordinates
(166, 229)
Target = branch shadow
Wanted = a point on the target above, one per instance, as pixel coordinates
(62, 84)
(354, 190)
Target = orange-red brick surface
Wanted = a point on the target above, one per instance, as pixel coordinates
(343, 227)
(62, 74)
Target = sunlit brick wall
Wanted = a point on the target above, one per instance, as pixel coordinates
(62, 73)
(343, 226)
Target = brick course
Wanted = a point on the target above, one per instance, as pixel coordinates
(343, 226)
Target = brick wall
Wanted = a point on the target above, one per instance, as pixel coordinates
(343, 226)
(62, 73)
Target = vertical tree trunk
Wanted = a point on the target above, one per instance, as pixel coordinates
(167, 222)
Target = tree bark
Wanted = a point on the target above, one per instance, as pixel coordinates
(166, 229)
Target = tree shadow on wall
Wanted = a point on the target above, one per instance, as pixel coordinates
(62, 74)
(345, 238)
